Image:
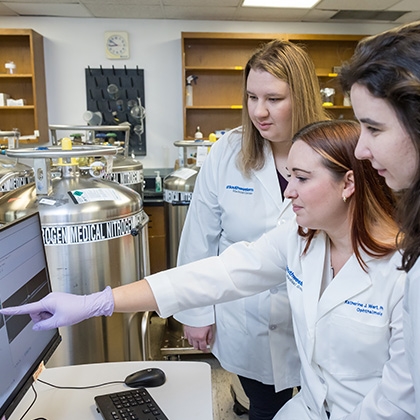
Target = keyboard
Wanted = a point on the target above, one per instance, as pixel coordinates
(135, 404)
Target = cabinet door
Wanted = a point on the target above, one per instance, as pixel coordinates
(24, 48)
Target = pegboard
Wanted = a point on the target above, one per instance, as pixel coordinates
(115, 94)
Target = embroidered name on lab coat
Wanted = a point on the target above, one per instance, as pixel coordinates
(240, 190)
(291, 277)
(366, 308)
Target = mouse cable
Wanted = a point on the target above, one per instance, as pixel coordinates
(62, 387)
(79, 387)
(33, 402)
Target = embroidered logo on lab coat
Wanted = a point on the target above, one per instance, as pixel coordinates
(291, 277)
(240, 190)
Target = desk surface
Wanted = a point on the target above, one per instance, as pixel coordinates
(186, 395)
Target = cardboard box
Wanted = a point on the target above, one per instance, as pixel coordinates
(16, 102)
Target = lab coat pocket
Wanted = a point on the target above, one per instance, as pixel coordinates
(232, 316)
(351, 348)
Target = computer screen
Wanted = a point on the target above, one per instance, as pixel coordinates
(23, 279)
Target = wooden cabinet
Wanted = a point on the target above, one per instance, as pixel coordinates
(218, 59)
(157, 238)
(24, 47)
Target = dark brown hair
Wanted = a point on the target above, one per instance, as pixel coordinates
(288, 62)
(373, 228)
(388, 65)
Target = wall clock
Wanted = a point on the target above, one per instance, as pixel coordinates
(116, 45)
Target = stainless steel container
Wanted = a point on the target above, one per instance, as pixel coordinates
(95, 235)
(125, 170)
(178, 188)
(12, 173)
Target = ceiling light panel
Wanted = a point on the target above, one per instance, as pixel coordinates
(291, 4)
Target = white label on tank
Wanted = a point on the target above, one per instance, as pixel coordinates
(184, 173)
(201, 155)
(47, 201)
(94, 194)
(125, 177)
(177, 196)
(89, 232)
(14, 183)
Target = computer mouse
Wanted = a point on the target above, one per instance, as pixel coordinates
(146, 377)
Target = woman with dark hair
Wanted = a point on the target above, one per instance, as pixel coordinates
(238, 196)
(342, 280)
(383, 78)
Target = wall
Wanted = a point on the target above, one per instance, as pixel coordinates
(155, 45)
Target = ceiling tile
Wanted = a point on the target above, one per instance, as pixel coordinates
(407, 5)
(200, 13)
(355, 4)
(202, 3)
(270, 14)
(126, 11)
(42, 1)
(133, 3)
(49, 9)
(5, 11)
(409, 17)
(315, 15)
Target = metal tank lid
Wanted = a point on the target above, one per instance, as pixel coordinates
(106, 201)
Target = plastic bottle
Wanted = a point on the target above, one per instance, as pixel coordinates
(212, 137)
(198, 134)
(158, 182)
(188, 95)
(189, 90)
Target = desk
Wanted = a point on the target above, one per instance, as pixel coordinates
(186, 394)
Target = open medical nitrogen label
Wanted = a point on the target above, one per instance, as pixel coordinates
(90, 232)
(14, 183)
(177, 197)
(125, 177)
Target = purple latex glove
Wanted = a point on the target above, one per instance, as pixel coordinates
(64, 309)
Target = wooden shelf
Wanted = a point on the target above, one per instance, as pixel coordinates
(218, 59)
(5, 108)
(25, 48)
(15, 76)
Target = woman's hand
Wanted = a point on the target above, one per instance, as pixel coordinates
(200, 338)
(64, 309)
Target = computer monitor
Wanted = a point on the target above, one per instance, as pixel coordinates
(23, 278)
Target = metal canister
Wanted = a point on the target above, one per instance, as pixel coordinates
(178, 189)
(13, 174)
(125, 170)
(95, 235)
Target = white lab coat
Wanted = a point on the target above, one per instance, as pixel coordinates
(412, 327)
(254, 335)
(349, 341)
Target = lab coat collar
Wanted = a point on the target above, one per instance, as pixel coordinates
(350, 281)
(268, 178)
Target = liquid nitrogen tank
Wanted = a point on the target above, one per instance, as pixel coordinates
(95, 235)
(178, 188)
(13, 174)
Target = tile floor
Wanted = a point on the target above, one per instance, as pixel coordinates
(221, 379)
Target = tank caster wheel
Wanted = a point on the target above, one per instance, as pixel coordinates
(239, 409)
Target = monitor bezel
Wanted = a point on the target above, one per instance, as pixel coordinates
(22, 387)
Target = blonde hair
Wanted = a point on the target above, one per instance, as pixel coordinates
(290, 63)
